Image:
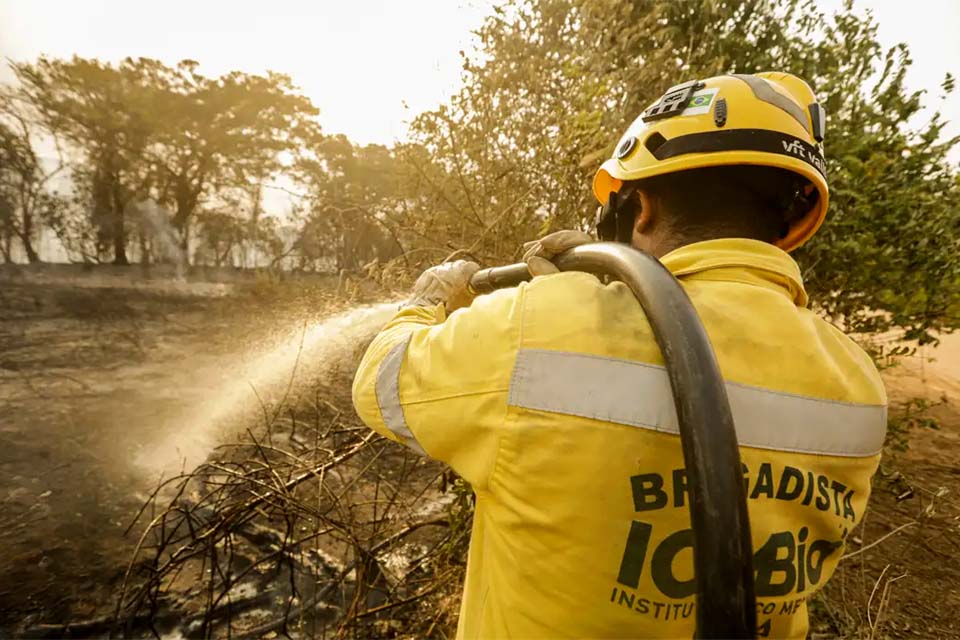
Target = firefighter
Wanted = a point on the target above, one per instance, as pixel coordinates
(551, 398)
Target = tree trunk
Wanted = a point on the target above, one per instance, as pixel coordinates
(186, 199)
(120, 243)
(6, 227)
(218, 257)
(32, 255)
(144, 250)
(26, 231)
(253, 235)
(119, 219)
(119, 236)
(101, 213)
(6, 247)
(185, 241)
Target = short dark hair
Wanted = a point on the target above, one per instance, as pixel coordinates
(751, 201)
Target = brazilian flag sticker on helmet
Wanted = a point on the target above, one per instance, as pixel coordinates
(699, 102)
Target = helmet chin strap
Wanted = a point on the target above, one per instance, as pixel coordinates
(616, 217)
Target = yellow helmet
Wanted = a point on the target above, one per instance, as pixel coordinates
(770, 119)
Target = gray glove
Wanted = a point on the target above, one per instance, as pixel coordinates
(537, 254)
(447, 284)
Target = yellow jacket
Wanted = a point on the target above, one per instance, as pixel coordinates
(551, 400)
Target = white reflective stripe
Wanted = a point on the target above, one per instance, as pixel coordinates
(637, 394)
(388, 395)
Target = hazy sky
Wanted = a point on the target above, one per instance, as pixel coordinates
(360, 61)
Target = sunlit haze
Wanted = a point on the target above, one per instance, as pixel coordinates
(360, 62)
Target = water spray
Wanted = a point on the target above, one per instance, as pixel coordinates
(239, 388)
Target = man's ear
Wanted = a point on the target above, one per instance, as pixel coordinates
(646, 212)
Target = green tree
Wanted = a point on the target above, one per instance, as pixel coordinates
(218, 134)
(353, 208)
(219, 234)
(555, 82)
(142, 129)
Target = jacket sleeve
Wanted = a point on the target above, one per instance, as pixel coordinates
(439, 384)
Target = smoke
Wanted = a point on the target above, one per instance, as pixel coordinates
(155, 224)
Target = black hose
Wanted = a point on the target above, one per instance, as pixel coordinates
(487, 280)
(722, 549)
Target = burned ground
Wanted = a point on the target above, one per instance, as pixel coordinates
(96, 372)
(77, 364)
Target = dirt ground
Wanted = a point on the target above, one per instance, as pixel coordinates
(102, 375)
(908, 584)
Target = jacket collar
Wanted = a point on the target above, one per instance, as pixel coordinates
(739, 260)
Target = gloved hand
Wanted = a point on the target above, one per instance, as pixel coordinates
(537, 254)
(446, 283)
